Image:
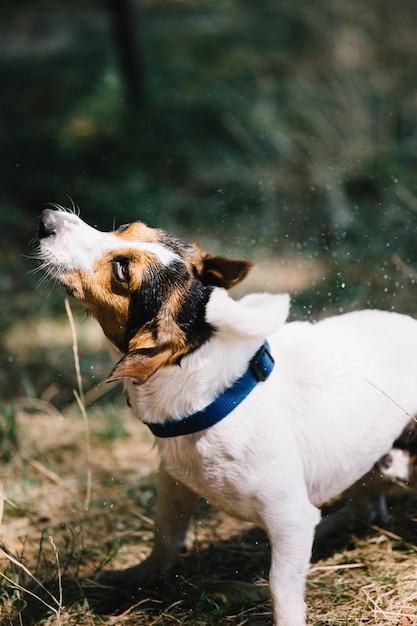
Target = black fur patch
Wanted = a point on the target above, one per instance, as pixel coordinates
(192, 315)
(408, 439)
(157, 286)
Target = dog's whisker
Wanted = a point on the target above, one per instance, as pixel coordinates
(55, 206)
(42, 280)
(50, 271)
(36, 270)
(75, 209)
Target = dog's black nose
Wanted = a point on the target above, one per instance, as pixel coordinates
(48, 224)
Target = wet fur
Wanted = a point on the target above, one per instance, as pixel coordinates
(340, 394)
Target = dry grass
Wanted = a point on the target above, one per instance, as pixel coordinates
(53, 545)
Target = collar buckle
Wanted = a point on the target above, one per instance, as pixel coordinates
(262, 363)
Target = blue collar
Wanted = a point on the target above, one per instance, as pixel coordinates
(260, 367)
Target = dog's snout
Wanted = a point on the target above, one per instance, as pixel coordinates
(48, 224)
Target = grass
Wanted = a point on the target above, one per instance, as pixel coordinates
(8, 432)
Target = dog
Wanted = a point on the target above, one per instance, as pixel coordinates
(264, 418)
(365, 502)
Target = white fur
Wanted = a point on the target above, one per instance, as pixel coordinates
(80, 246)
(340, 393)
(399, 468)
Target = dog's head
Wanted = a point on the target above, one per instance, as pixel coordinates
(147, 289)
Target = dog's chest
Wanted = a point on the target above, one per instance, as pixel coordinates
(215, 473)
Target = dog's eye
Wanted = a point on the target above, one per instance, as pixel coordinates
(121, 270)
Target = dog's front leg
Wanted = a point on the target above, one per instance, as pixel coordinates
(291, 531)
(175, 507)
(176, 504)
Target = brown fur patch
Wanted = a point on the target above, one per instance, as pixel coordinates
(138, 231)
(137, 366)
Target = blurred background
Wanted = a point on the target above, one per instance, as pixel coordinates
(285, 132)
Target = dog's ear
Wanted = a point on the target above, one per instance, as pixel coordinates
(146, 354)
(159, 343)
(138, 365)
(222, 272)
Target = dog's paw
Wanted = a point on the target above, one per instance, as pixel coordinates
(116, 590)
(136, 577)
(105, 598)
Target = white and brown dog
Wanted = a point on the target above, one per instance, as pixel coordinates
(267, 444)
